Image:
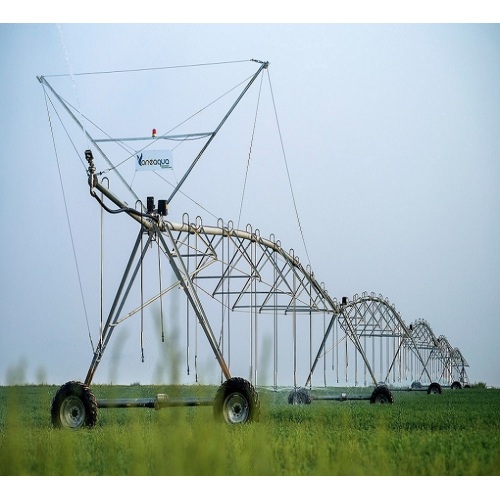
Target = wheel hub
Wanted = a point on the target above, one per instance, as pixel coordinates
(236, 409)
(72, 412)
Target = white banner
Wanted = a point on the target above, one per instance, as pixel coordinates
(153, 160)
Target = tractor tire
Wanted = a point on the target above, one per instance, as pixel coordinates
(381, 395)
(299, 396)
(73, 406)
(456, 385)
(236, 402)
(434, 388)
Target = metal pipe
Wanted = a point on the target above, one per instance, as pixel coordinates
(161, 401)
(341, 397)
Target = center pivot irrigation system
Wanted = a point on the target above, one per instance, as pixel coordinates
(240, 288)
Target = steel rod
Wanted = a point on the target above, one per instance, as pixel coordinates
(214, 133)
(150, 138)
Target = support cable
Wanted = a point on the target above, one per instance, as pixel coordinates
(137, 70)
(187, 196)
(263, 66)
(288, 171)
(250, 152)
(69, 226)
(62, 125)
(131, 155)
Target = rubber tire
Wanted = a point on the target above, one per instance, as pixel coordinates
(73, 406)
(456, 385)
(381, 395)
(416, 385)
(236, 402)
(299, 396)
(434, 388)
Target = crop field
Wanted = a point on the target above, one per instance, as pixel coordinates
(455, 433)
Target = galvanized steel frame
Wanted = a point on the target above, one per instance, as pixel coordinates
(257, 275)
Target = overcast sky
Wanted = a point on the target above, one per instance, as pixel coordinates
(391, 139)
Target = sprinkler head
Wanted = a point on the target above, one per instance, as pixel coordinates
(88, 155)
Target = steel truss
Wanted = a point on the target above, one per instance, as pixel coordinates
(239, 270)
(387, 343)
(445, 364)
(453, 363)
(244, 272)
(394, 352)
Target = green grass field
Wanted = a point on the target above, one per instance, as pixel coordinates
(455, 433)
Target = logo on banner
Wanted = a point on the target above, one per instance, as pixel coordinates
(153, 160)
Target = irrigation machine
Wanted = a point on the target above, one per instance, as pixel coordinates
(241, 288)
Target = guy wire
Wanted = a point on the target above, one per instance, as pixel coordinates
(69, 225)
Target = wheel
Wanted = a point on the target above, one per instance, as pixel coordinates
(434, 388)
(236, 402)
(381, 395)
(456, 385)
(299, 396)
(74, 406)
(416, 385)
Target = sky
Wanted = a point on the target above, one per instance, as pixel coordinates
(390, 132)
